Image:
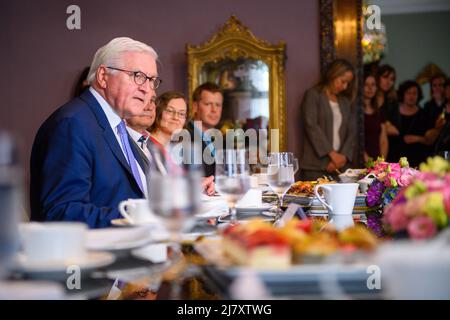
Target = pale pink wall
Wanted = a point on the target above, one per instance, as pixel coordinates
(41, 58)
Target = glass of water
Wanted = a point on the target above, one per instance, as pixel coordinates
(232, 177)
(281, 173)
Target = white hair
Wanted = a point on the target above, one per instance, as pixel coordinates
(110, 54)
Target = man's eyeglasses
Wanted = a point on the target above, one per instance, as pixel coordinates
(140, 78)
(173, 113)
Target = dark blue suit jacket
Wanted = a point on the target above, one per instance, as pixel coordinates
(78, 170)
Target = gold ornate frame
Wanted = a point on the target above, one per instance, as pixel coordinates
(234, 41)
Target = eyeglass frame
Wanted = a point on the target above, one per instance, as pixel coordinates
(172, 112)
(155, 82)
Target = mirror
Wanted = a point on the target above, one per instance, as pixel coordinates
(245, 84)
(250, 72)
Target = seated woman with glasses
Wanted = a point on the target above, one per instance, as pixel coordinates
(171, 114)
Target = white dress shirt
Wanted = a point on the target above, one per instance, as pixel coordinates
(136, 136)
(337, 121)
(114, 121)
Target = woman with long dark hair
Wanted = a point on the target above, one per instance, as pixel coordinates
(327, 120)
(376, 140)
(412, 126)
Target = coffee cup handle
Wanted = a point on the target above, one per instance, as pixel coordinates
(322, 200)
(349, 171)
(122, 209)
(370, 176)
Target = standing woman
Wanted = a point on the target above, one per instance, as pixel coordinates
(410, 121)
(376, 140)
(328, 121)
(440, 134)
(434, 107)
(386, 95)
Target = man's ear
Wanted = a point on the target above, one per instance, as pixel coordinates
(194, 109)
(101, 76)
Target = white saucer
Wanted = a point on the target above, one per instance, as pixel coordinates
(125, 223)
(91, 261)
(250, 209)
(216, 197)
(243, 218)
(116, 239)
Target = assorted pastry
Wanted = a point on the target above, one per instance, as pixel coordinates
(306, 188)
(261, 245)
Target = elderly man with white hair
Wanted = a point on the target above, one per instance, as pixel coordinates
(83, 162)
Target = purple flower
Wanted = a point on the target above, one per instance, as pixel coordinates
(375, 224)
(374, 194)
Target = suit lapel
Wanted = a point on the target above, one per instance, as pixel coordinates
(141, 158)
(108, 134)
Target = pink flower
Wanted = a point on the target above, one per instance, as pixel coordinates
(435, 185)
(406, 177)
(447, 179)
(426, 176)
(414, 206)
(396, 217)
(395, 167)
(421, 228)
(379, 168)
(391, 179)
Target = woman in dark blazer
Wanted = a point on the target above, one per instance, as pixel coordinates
(327, 121)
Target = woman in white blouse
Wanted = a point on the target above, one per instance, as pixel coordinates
(328, 122)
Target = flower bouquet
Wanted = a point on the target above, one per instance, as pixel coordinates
(389, 179)
(422, 208)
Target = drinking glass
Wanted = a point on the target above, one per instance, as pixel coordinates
(281, 174)
(175, 198)
(232, 177)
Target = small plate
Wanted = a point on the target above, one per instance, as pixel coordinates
(245, 217)
(125, 223)
(254, 209)
(115, 239)
(92, 260)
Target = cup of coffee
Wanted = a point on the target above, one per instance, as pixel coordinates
(53, 242)
(339, 199)
(136, 211)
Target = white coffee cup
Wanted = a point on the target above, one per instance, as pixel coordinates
(365, 182)
(136, 211)
(339, 200)
(53, 242)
